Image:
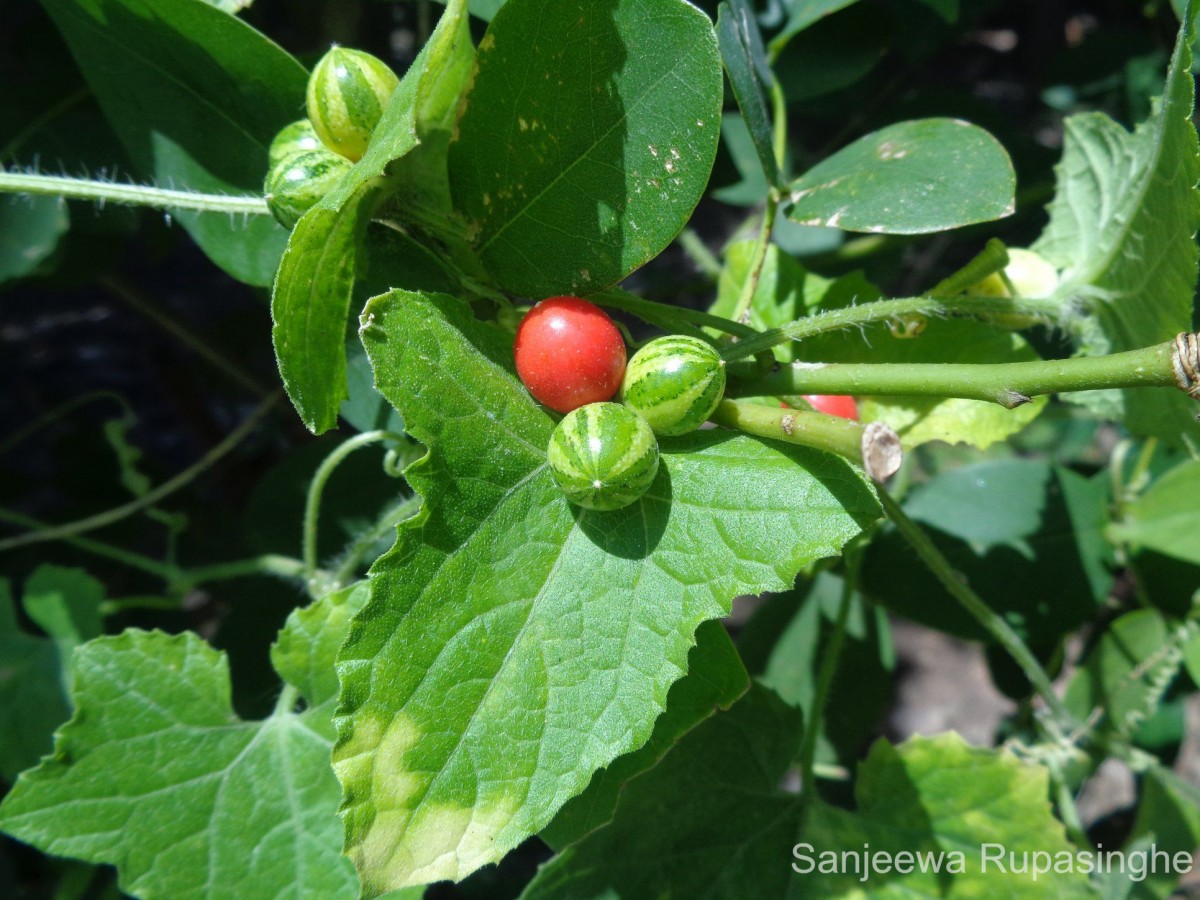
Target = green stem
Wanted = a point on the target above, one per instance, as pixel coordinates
(398, 513)
(317, 587)
(1009, 384)
(184, 335)
(286, 704)
(266, 564)
(150, 498)
(809, 429)
(741, 311)
(130, 194)
(779, 127)
(668, 317)
(176, 577)
(881, 311)
(165, 571)
(991, 622)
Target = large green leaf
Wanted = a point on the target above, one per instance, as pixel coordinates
(587, 138)
(34, 671)
(196, 95)
(1122, 227)
(158, 776)
(715, 679)
(514, 644)
(406, 159)
(909, 178)
(721, 828)
(1166, 518)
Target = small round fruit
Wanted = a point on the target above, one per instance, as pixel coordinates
(603, 456)
(569, 353)
(347, 93)
(834, 405)
(294, 138)
(674, 383)
(297, 184)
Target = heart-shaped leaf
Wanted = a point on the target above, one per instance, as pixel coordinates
(514, 644)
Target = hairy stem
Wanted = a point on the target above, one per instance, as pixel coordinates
(150, 498)
(130, 194)
(882, 311)
(318, 586)
(987, 617)
(393, 516)
(1009, 384)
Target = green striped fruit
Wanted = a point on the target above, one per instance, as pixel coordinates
(674, 383)
(297, 184)
(603, 456)
(347, 93)
(294, 138)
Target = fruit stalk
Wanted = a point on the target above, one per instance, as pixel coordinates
(873, 446)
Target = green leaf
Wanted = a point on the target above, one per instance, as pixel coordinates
(745, 61)
(803, 13)
(715, 679)
(722, 829)
(196, 95)
(29, 231)
(910, 178)
(310, 304)
(158, 776)
(595, 164)
(1122, 227)
(34, 670)
(1126, 673)
(836, 52)
(1166, 517)
(306, 649)
(525, 643)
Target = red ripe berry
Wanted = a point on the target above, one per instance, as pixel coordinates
(569, 353)
(834, 405)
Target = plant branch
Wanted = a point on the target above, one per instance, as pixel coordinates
(392, 517)
(1008, 384)
(318, 586)
(874, 446)
(882, 311)
(987, 617)
(150, 498)
(129, 194)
